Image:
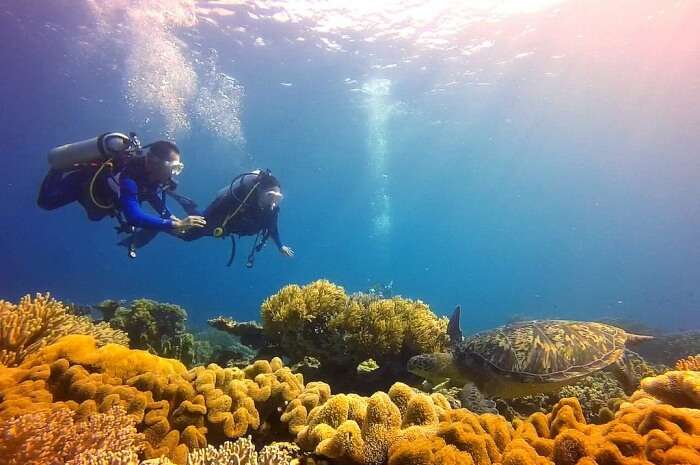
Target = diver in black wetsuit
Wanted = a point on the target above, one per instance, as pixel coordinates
(248, 206)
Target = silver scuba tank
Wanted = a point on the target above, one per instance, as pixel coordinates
(66, 157)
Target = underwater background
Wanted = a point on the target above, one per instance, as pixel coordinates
(520, 158)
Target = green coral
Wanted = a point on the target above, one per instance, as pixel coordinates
(154, 326)
(214, 346)
(322, 321)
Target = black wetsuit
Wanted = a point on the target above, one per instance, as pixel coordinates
(250, 219)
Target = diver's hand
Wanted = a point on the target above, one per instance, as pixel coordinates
(188, 223)
(287, 251)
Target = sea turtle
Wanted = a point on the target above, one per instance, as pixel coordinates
(525, 357)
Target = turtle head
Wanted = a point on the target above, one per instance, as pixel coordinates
(636, 338)
(433, 367)
(454, 330)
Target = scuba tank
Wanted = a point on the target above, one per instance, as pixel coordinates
(100, 148)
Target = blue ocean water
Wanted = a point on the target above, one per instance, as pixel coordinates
(522, 159)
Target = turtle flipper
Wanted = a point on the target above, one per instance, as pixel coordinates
(472, 399)
(629, 370)
(454, 329)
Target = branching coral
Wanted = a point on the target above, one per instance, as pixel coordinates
(34, 323)
(322, 321)
(56, 437)
(242, 452)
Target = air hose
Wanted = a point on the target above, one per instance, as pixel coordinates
(92, 185)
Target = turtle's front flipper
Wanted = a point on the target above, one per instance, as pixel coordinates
(472, 399)
(630, 369)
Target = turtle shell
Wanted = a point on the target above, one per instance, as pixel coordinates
(545, 351)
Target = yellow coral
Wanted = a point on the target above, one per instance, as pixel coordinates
(175, 408)
(641, 433)
(354, 429)
(35, 323)
(678, 388)
(322, 321)
(296, 412)
(690, 363)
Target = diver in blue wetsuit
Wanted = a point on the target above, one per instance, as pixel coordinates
(249, 206)
(111, 176)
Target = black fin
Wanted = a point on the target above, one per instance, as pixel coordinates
(454, 330)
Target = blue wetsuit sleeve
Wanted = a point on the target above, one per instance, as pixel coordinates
(135, 216)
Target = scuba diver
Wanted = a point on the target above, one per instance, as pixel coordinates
(248, 206)
(110, 175)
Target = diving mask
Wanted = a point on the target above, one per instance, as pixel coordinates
(270, 199)
(175, 167)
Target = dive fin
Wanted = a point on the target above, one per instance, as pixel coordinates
(139, 239)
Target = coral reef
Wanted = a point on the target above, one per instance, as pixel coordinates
(638, 434)
(154, 326)
(689, 363)
(403, 427)
(215, 346)
(597, 394)
(112, 402)
(57, 437)
(34, 323)
(321, 321)
(242, 452)
(355, 429)
(175, 408)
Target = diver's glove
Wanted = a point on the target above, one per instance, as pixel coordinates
(287, 251)
(188, 223)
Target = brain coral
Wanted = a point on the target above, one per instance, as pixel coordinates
(35, 323)
(322, 321)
